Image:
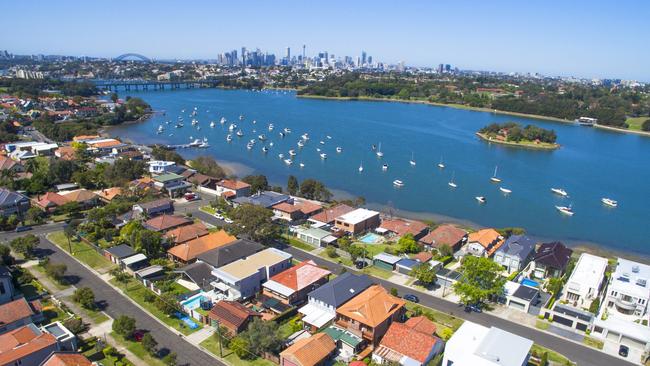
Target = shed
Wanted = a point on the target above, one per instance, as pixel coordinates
(134, 262)
(118, 252)
(385, 261)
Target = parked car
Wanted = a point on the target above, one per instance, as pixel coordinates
(227, 220)
(189, 196)
(623, 351)
(138, 335)
(473, 307)
(411, 298)
(218, 216)
(360, 264)
(20, 229)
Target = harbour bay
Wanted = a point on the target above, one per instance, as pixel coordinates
(591, 163)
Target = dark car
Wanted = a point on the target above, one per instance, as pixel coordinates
(411, 298)
(22, 228)
(473, 307)
(138, 335)
(623, 351)
(360, 264)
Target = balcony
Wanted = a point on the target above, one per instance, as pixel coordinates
(624, 305)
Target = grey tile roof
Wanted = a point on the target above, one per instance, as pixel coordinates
(9, 198)
(200, 273)
(525, 293)
(341, 289)
(229, 253)
(519, 246)
(121, 251)
(264, 199)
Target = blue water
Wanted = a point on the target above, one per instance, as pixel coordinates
(370, 238)
(187, 320)
(591, 164)
(194, 302)
(529, 282)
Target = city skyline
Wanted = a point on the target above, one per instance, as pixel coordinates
(554, 39)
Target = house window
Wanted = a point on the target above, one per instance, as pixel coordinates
(2, 288)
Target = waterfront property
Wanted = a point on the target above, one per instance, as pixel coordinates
(358, 221)
(264, 199)
(551, 260)
(476, 345)
(628, 292)
(484, 243)
(399, 227)
(445, 234)
(328, 215)
(586, 281)
(515, 253)
(229, 188)
(174, 184)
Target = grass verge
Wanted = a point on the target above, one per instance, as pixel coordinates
(593, 342)
(212, 345)
(552, 355)
(137, 349)
(635, 123)
(80, 250)
(135, 290)
(298, 243)
(543, 325)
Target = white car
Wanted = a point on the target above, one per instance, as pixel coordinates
(227, 220)
(218, 216)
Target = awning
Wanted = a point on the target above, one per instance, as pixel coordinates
(313, 315)
(134, 259)
(220, 286)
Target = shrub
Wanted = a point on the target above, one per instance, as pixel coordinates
(75, 325)
(446, 334)
(149, 296)
(124, 326)
(56, 271)
(330, 251)
(85, 297)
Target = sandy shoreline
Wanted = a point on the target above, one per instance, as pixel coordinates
(546, 146)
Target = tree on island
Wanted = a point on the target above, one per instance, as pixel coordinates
(480, 280)
(512, 131)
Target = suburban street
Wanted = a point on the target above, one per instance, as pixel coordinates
(117, 304)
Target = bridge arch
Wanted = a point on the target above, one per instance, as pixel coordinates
(132, 55)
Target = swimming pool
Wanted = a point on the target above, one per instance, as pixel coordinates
(194, 301)
(187, 320)
(371, 238)
(529, 283)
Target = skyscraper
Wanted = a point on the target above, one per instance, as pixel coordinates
(288, 53)
(363, 58)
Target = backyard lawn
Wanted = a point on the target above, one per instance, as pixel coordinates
(88, 347)
(135, 290)
(294, 242)
(212, 345)
(137, 349)
(82, 251)
(377, 272)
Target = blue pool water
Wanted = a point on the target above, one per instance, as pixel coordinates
(370, 238)
(194, 302)
(187, 320)
(529, 282)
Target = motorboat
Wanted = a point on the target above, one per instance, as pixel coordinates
(318, 149)
(239, 133)
(280, 155)
(481, 199)
(265, 149)
(262, 137)
(252, 141)
(609, 202)
(412, 161)
(287, 130)
(241, 117)
(339, 149)
(384, 167)
(288, 161)
(505, 190)
(323, 156)
(398, 183)
(305, 136)
(361, 167)
(292, 152)
(254, 122)
(179, 125)
(451, 183)
(282, 134)
(232, 127)
(271, 126)
(229, 138)
(271, 144)
(566, 210)
(560, 192)
(329, 137)
(194, 122)
(302, 165)
(441, 164)
(321, 142)
(494, 178)
(212, 124)
(379, 153)
(249, 146)
(301, 143)
(222, 120)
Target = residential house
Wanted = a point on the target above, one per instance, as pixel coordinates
(484, 243)
(292, 285)
(315, 236)
(117, 253)
(13, 203)
(7, 290)
(298, 209)
(10, 165)
(154, 208)
(160, 166)
(316, 350)
(407, 346)
(188, 251)
(357, 221)
(50, 201)
(399, 227)
(109, 194)
(66, 340)
(202, 182)
(586, 281)
(67, 359)
(329, 215)
(369, 314)
(134, 263)
(406, 265)
(615, 331)
(519, 296)
(422, 257)
(186, 233)
(232, 315)
(628, 292)
(229, 188)
(66, 153)
(174, 184)
(323, 301)
(476, 345)
(104, 145)
(18, 313)
(243, 278)
(85, 138)
(26, 346)
(266, 199)
(515, 253)
(144, 184)
(196, 276)
(385, 261)
(445, 234)
(166, 222)
(84, 197)
(551, 260)
(226, 254)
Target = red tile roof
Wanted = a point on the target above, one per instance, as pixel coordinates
(422, 324)
(14, 311)
(423, 257)
(67, 359)
(189, 250)
(403, 227)
(166, 222)
(24, 341)
(372, 306)
(444, 235)
(328, 215)
(52, 199)
(406, 341)
(7, 163)
(310, 351)
(490, 239)
(187, 232)
(233, 184)
(301, 275)
(232, 313)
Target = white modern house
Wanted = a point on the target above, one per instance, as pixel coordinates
(586, 281)
(476, 345)
(628, 292)
(160, 166)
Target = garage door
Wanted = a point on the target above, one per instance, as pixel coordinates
(517, 305)
(613, 336)
(563, 321)
(632, 343)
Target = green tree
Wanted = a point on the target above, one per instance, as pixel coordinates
(646, 125)
(239, 345)
(35, 215)
(407, 244)
(149, 242)
(85, 296)
(292, 185)
(5, 255)
(258, 182)
(170, 359)
(149, 343)
(445, 250)
(167, 303)
(263, 336)
(593, 308)
(208, 166)
(425, 274)
(315, 190)
(56, 271)
(480, 280)
(330, 251)
(393, 291)
(555, 286)
(124, 326)
(356, 251)
(446, 333)
(114, 97)
(255, 222)
(25, 245)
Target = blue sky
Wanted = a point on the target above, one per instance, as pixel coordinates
(576, 37)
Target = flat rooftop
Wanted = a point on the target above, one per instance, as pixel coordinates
(358, 215)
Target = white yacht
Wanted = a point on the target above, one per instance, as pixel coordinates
(265, 149)
(451, 183)
(609, 202)
(241, 117)
(240, 133)
(232, 127)
(322, 142)
(212, 124)
(379, 153)
(305, 136)
(323, 156)
(301, 143)
(441, 164)
(287, 130)
(194, 122)
(412, 161)
(480, 199)
(282, 134)
(361, 167)
(271, 126)
(292, 152)
(249, 146)
(222, 120)
(494, 178)
(339, 149)
(384, 167)
(288, 161)
(302, 165)
(567, 210)
(559, 191)
(229, 138)
(505, 190)
(280, 155)
(262, 137)
(398, 183)
(329, 137)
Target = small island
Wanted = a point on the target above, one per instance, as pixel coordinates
(513, 134)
